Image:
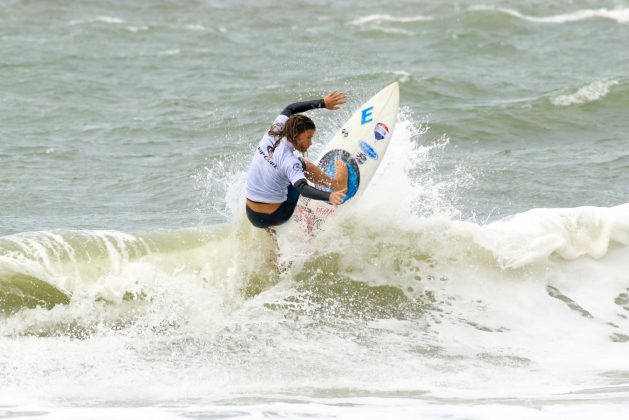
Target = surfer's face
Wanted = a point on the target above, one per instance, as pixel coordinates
(304, 140)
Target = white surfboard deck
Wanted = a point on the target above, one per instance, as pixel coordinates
(360, 143)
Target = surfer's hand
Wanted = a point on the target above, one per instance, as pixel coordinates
(337, 197)
(334, 100)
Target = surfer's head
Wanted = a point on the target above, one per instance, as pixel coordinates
(298, 130)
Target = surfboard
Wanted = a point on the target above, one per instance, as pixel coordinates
(361, 144)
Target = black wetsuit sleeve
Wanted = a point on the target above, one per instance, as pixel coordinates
(298, 107)
(311, 192)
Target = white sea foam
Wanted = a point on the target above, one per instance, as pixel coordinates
(364, 408)
(617, 15)
(589, 93)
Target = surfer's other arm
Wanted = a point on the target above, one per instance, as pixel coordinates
(335, 197)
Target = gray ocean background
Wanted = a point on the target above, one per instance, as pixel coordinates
(483, 275)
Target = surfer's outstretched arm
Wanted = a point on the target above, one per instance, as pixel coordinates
(332, 102)
(298, 107)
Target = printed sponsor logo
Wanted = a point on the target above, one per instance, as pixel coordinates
(298, 167)
(325, 211)
(268, 159)
(305, 217)
(328, 161)
(360, 157)
(381, 131)
(368, 150)
(366, 115)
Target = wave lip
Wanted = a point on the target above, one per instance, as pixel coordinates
(45, 268)
(617, 15)
(589, 93)
(535, 235)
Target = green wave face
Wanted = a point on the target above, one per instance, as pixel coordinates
(23, 291)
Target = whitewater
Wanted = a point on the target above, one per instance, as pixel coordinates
(483, 274)
(400, 306)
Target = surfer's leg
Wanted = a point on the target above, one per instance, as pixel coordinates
(281, 216)
(273, 253)
(273, 256)
(269, 221)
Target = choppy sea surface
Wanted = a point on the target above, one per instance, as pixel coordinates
(483, 275)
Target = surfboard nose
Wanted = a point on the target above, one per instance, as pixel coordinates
(394, 86)
(393, 90)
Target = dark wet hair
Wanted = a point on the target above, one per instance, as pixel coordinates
(296, 124)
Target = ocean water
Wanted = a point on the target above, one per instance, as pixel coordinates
(483, 275)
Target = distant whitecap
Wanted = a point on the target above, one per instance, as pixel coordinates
(195, 27)
(388, 30)
(589, 93)
(138, 28)
(99, 19)
(617, 15)
(175, 51)
(404, 76)
(389, 19)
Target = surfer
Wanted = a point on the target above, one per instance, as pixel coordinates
(277, 177)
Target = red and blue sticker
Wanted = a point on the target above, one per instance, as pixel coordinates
(381, 131)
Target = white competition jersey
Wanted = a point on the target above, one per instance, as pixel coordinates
(272, 171)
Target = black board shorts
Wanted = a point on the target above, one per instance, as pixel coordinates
(279, 216)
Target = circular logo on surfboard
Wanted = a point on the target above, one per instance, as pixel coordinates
(353, 173)
(381, 131)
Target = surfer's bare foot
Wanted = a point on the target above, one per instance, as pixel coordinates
(340, 180)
